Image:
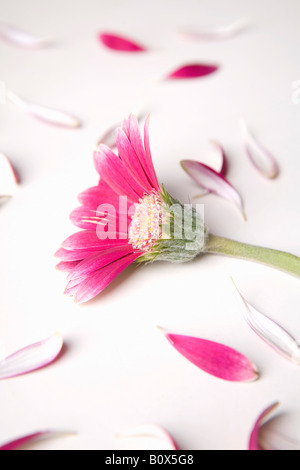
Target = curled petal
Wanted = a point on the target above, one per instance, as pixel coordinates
(8, 177)
(272, 333)
(146, 437)
(254, 441)
(29, 438)
(261, 158)
(213, 182)
(32, 357)
(20, 38)
(192, 71)
(217, 33)
(214, 358)
(120, 43)
(43, 113)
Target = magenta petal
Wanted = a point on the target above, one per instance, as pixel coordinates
(214, 358)
(24, 440)
(254, 437)
(31, 357)
(120, 43)
(98, 261)
(87, 240)
(213, 182)
(66, 266)
(98, 281)
(192, 71)
(148, 163)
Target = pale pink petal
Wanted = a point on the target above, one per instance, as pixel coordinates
(192, 71)
(254, 441)
(31, 357)
(98, 261)
(8, 177)
(272, 440)
(112, 170)
(214, 358)
(20, 38)
(44, 113)
(146, 437)
(260, 157)
(214, 33)
(219, 150)
(214, 182)
(120, 43)
(272, 333)
(98, 281)
(30, 438)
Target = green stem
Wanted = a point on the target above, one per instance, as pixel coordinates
(274, 258)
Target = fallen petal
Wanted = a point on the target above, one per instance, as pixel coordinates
(213, 182)
(29, 438)
(217, 33)
(254, 441)
(271, 332)
(8, 177)
(272, 440)
(214, 358)
(43, 113)
(21, 38)
(146, 437)
(192, 71)
(32, 357)
(221, 157)
(261, 158)
(120, 43)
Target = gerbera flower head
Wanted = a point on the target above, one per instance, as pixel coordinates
(127, 217)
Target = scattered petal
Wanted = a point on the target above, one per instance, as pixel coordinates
(8, 177)
(120, 43)
(32, 357)
(213, 182)
(254, 441)
(146, 437)
(216, 33)
(43, 113)
(28, 439)
(271, 332)
(214, 358)
(221, 157)
(261, 158)
(21, 38)
(192, 71)
(272, 440)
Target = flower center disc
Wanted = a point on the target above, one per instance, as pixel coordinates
(144, 228)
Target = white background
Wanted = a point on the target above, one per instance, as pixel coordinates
(117, 370)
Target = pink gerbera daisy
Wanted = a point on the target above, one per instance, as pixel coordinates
(129, 217)
(125, 218)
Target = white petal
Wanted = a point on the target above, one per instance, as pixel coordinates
(21, 38)
(8, 178)
(145, 437)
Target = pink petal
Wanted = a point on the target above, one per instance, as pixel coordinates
(20, 38)
(98, 261)
(192, 71)
(43, 113)
(8, 177)
(120, 43)
(32, 357)
(214, 358)
(101, 194)
(112, 170)
(222, 169)
(91, 220)
(148, 163)
(261, 158)
(254, 437)
(98, 281)
(216, 33)
(213, 182)
(73, 255)
(131, 160)
(272, 333)
(24, 440)
(146, 437)
(66, 266)
(86, 240)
